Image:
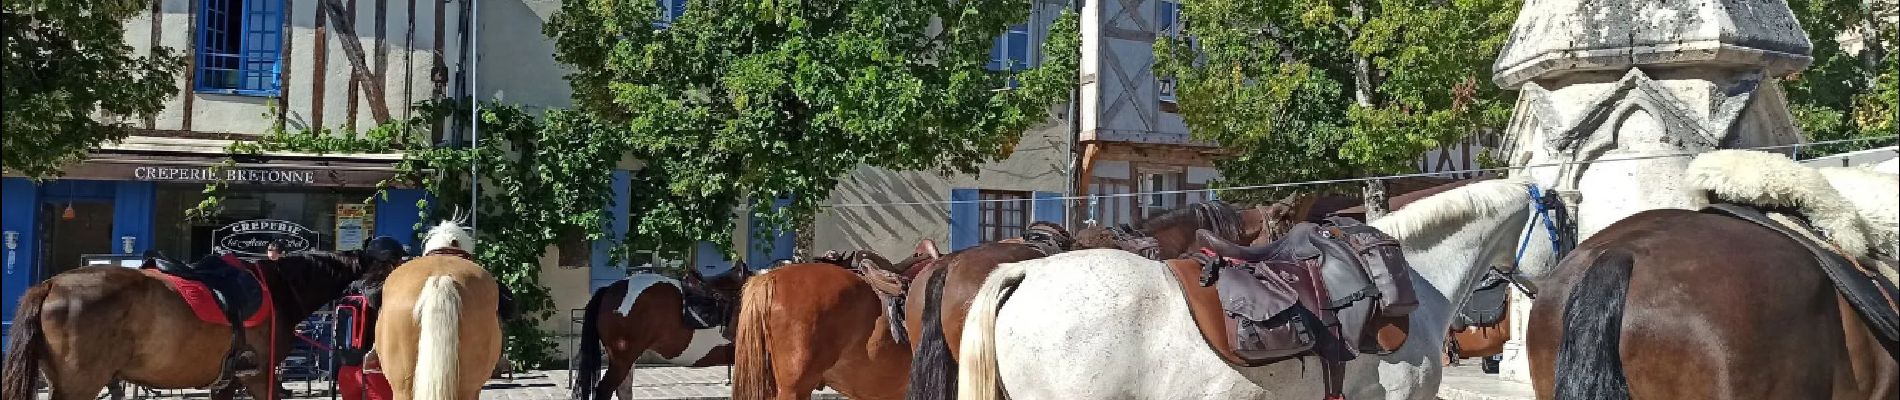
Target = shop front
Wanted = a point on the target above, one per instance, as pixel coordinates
(110, 208)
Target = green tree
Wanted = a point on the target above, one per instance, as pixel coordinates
(1847, 92)
(1324, 89)
(66, 64)
(738, 103)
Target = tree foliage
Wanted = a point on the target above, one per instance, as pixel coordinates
(67, 65)
(1280, 81)
(1849, 91)
(739, 103)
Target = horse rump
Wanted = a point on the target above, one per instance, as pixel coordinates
(26, 346)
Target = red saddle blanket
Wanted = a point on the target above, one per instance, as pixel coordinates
(204, 304)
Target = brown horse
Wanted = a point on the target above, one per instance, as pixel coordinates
(85, 327)
(1678, 304)
(646, 314)
(438, 335)
(935, 311)
(805, 325)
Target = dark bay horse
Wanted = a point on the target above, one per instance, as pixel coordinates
(85, 327)
(647, 314)
(1679, 304)
(936, 308)
(811, 324)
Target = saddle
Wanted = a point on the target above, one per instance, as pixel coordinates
(1864, 290)
(706, 307)
(1328, 291)
(1486, 307)
(891, 282)
(239, 293)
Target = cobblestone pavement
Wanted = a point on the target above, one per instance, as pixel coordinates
(649, 383)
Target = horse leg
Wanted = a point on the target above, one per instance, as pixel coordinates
(70, 382)
(618, 380)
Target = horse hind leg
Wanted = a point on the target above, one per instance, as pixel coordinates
(618, 380)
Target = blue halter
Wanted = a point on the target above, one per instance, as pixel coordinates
(1550, 229)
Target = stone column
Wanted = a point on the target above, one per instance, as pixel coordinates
(1647, 81)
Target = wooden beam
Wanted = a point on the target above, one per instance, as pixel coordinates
(356, 80)
(353, 51)
(283, 64)
(191, 65)
(158, 19)
(320, 69)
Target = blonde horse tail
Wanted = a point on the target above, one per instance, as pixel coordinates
(438, 310)
(752, 364)
(976, 370)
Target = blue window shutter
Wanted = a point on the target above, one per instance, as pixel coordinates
(784, 241)
(964, 214)
(20, 217)
(132, 215)
(603, 272)
(1050, 208)
(708, 254)
(398, 213)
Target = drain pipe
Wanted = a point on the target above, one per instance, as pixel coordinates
(1075, 133)
(474, 114)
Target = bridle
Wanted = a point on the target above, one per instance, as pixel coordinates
(1560, 229)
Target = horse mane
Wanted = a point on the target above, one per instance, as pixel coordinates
(446, 234)
(1186, 214)
(1477, 198)
(313, 270)
(1774, 181)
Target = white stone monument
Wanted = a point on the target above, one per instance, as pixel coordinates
(1645, 80)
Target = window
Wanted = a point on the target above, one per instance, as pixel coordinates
(1154, 203)
(239, 46)
(1168, 20)
(1011, 52)
(1003, 214)
(669, 10)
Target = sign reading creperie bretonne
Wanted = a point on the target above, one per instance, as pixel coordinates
(237, 175)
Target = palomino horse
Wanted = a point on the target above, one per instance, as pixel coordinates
(647, 313)
(805, 325)
(936, 334)
(1105, 324)
(1724, 303)
(437, 334)
(85, 327)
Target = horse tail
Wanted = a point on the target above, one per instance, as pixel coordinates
(976, 372)
(1589, 362)
(438, 310)
(752, 363)
(589, 351)
(932, 371)
(22, 369)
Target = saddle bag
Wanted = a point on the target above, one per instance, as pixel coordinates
(1383, 262)
(1486, 306)
(1261, 316)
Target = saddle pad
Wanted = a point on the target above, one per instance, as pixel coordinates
(205, 304)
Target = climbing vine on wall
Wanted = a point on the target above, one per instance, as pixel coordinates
(543, 180)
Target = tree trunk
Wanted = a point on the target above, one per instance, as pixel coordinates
(1361, 65)
(802, 238)
(1375, 199)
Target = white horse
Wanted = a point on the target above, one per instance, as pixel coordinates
(1107, 324)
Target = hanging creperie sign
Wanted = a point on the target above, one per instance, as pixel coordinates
(236, 175)
(253, 237)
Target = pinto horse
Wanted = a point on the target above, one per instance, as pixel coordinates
(85, 327)
(645, 314)
(935, 311)
(438, 336)
(1724, 303)
(811, 324)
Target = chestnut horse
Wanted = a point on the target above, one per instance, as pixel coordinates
(936, 333)
(645, 314)
(85, 327)
(438, 336)
(1724, 303)
(810, 324)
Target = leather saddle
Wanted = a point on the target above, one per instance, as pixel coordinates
(238, 292)
(1329, 291)
(1486, 307)
(891, 281)
(706, 305)
(1871, 296)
